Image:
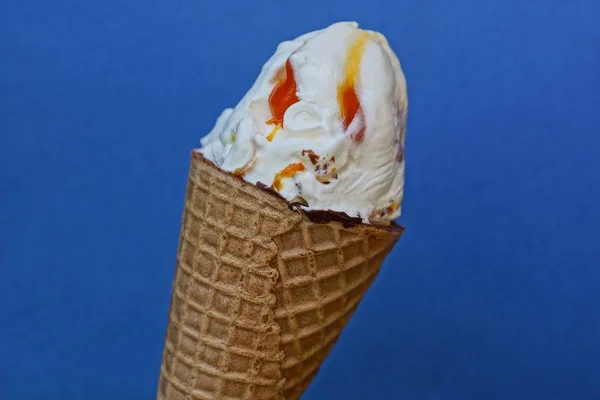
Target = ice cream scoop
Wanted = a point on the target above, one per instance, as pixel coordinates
(323, 125)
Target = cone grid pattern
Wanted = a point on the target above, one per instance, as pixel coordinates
(260, 294)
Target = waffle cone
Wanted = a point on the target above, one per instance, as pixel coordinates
(261, 292)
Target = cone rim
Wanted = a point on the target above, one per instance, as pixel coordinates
(316, 216)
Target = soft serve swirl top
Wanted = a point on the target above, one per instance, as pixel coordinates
(323, 124)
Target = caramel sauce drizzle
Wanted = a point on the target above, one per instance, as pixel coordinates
(287, 172)
(346, 92)
(281, 98)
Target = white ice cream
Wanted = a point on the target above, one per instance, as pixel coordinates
(325, 153)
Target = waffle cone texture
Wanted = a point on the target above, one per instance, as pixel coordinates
(261, 292)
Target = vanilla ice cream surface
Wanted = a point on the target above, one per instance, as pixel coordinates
(323, 125)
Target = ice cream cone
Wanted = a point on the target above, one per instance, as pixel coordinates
(261, 292)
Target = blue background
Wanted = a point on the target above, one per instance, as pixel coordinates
(493, 293)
